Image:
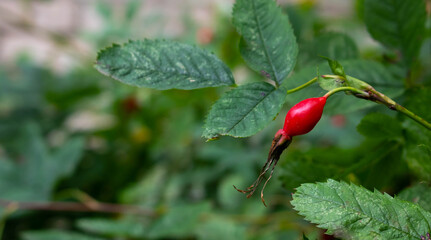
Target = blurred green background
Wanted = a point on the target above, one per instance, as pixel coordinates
(68, 133)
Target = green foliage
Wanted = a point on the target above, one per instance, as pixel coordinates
(162, 64)
(144, 147)
(244, 110)
(221, 228)
(34, 178)
(380, 126)
(419, 193)
(418, 151)
(336, 67)
(55, 235)
(333, 45)
(180, 221)
(112, 228)
(397, 24)
(316, 165)
(349, 211)
(268, 43)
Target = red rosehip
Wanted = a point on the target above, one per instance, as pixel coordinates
(302, 117)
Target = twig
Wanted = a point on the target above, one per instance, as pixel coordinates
(79, 207)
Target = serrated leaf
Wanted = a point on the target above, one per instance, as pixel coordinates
(397, 24)
(34, 178)
(268, 43)
(353, 212)
(380, 126)
(244, 110)
(419, 194)
(162, 64)
(56, 235)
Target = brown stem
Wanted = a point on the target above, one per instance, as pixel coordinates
(78, 207)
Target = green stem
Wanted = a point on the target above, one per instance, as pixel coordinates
(381, 98)
(334, 77)
(350, 89)
(302, 86)
(413, 116)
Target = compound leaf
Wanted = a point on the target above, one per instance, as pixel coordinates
(268, 43)
(244, 110)
(162, 64)
(353, 212)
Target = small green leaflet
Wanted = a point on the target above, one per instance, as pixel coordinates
(268, 44)
(398, 24)
(244, 110)
(162, 64)
(336, 67)
(353, 212)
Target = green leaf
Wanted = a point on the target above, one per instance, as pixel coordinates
(332, 45)
(34, 178)
(55, 235)
(353, 212)
(336, 67)
(179, 221)
(397, 24)
(418, 101)
(268, 43)
(417, 152)
(218, 227)
(380, 126)
(162, 64)
(300, 167)
(419, 194)
(244, 110)
(113, 228)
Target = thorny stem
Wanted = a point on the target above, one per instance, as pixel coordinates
(351, 89)
(302, 86)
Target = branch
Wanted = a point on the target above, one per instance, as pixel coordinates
(77, 207)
